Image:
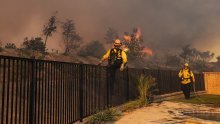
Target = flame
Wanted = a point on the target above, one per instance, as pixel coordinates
(127, 38)
(147, 51)
(135, 38)
(138, 34)
(124, 48)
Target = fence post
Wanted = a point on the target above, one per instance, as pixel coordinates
(159, 82)
(107, 88)
(128, 87)
(171, 82)
(81, 92)
(32, 92)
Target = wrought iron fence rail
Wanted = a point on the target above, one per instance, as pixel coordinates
(47, 92)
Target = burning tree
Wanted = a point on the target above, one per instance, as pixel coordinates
(133, 44)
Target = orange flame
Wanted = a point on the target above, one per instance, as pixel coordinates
(147, 51)
(124, 48)
(135, 37)
(127, 38)
(138, 34)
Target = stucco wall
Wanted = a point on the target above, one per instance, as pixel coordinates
(212, 82)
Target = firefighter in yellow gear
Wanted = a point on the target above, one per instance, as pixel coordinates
(117, 59)
(187, 78)
(116, 56)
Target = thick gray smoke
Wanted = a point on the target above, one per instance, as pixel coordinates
(165, 24)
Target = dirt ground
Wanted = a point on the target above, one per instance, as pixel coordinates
(166, 113)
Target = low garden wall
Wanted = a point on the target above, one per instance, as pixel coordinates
(212, 82)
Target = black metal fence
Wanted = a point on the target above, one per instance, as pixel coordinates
(39, 91)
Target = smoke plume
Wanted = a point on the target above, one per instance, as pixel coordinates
(165, 24)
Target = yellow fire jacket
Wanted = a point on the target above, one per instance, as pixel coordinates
(123, 55)
(186, 76)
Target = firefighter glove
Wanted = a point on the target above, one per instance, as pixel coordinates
(100, 62)
(122, 67)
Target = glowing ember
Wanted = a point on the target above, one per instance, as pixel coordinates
(147, 51)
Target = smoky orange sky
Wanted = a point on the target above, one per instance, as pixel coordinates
(166, 24)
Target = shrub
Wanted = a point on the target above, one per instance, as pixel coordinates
(10, 46)
(104, 116)
(114, 114)
(146, 86)
(34, 44)
(94, 48)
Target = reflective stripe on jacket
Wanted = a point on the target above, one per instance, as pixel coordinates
(186, 76)
(123, 55)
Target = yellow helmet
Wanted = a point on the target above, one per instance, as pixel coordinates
(186, 64)
(117, 42)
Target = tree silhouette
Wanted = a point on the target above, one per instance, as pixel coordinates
(111, 35)
(206, 56)
(71, 39)
(186, 52)
(198, 59)
(49, 28)
(192, 55)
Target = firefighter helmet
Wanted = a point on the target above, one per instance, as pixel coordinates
(186, 64)
(117, 42)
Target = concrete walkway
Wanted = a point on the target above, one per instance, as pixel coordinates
(166, 113)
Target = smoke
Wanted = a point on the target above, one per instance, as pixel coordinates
(165, 24)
